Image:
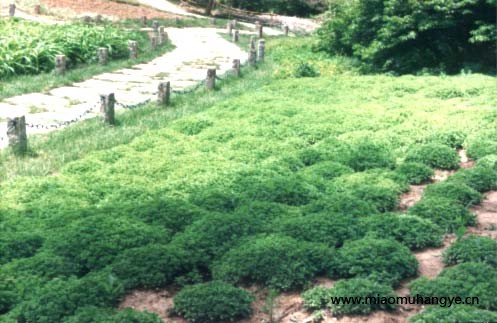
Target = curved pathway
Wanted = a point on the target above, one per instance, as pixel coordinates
(197, 49)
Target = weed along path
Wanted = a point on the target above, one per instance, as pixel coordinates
(197, 49)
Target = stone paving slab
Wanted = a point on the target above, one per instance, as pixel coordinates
(197, 49)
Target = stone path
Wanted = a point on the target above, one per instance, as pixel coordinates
(168, 7)
(197, 49)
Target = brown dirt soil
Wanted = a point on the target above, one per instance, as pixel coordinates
(486, 214)
(411, 197)
(106, 8)
(159, 302)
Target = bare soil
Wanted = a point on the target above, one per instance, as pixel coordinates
(106, 8)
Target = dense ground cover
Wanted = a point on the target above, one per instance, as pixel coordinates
(221, 193)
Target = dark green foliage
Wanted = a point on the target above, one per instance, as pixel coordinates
(456, 313)
(331, 229)
(412, 231)
(214, 234)
(383, 260)
(192, 126)
(416, 173)
(479, 178)
(325, 171)
(405, 37)
(449, 215)
(94, 242)
(213, 302)
(382, 198)
(215, 199)
(60, 298)
(305, 70)
(151, 266)
(452, 138)
(341, 203)
(489, 161)
(360, 287)
(455, 191)
(481, 147)
(284, 7)
(280, 262)
(316, 298)
(93, 314)
(18, 245)
(464, 280)
(366, 154)
(472, 249)
(8, 296)
(434, 155)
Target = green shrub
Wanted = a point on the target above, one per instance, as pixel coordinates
(360, 287)
(93, 314)
(214, 234)
(481, 147)
(383, 260)
(366, 154)
(456, 313)
(479, 178)
(410, 230)
(382, 198)
(8, 295)
(151, 266)
(416, 173)
(213, 302)
(192, 125)
(18, 245)
(434, 155)
(325, 171)
(464, 280)
(331, 229)
(305, 70)
(472, 249)
(452, 138)
(215, 199)
(343, 203)
(316, 298)
(95, 241)
(455, 191)
(489, 161)
(60, 298)
(448, 215)
(279, 262)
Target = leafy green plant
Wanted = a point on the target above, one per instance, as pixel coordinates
(213, 302)
(316, 298)
(479, 178)
(443, 212)
(18, 245)
(305, 70)
(434, 155)
(472, 249)
(480, 147)
(386, 261)
(360, 287)
(456, 313)
(489, 161)
(455, 191)
(465, 280)
(410, 230)
(416, 173)
(91, 314)
(280, 262)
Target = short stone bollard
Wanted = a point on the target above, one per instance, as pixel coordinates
(252, 42)
(252, 59)
(144, 20)
(229, 28)
(162, 35)
(213, 21)
(155, 25)
(107, 114)
(153, 42)
(236, 67)
(260, 32)
(133, 49)
(286, 30)
(210, 82)
(178, 20)
(98, 19)
(37, 9)
(16, 134)
(261, 53)
(12, 10)
(87, 19)
(236, 36)
(103, 55)
(164, 93)
(234, 23)
(60, 64)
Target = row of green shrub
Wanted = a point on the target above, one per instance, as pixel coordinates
(30, 48)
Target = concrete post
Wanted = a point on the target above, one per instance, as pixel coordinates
(60, 64)
(87, 19)
(103, 55)
(260, 32)
(210, 82)
(229, 28)
(12, 10)
(144, 20)
(252, 60)
(261, 54)
(236, 36)
(286, 30)
(16, 134)
(153, 42)
(37, 9)
(133, 49)
(155, 25)
(107, 113)
(236, 67)
(162, 35)
(98, 19)
(252, 42)
(164, 94)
